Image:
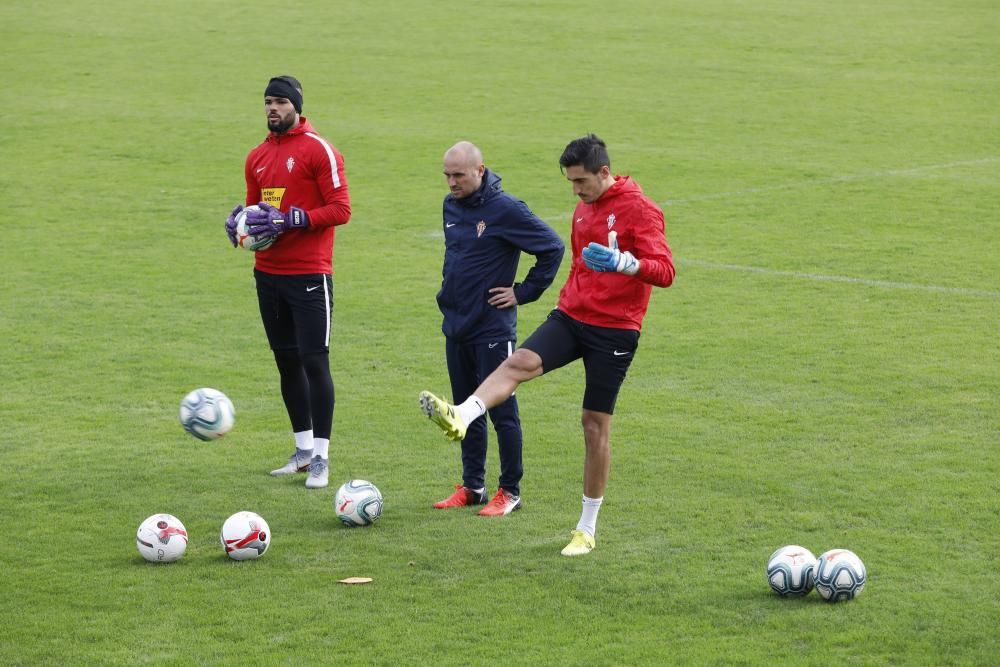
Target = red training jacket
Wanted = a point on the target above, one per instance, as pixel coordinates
(299, 168)
(616, 300)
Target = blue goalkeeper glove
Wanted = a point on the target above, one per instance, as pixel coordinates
(269, 221)
(609, 258)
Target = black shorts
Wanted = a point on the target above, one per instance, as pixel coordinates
(296, 310)
(606, 353)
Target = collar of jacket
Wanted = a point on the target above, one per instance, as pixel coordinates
(487, 190)
(622, 185)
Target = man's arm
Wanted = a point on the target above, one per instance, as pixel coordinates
(656, 261)
(332, 182)
(536, 238)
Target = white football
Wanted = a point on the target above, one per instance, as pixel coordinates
(161, 538)
(358, 503)
(245, 536)
(840, 575)
(207, 414)
(244, 239)
(791, 570)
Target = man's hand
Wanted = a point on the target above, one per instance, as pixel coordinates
(269, 221)
(231, 224)
(502, 297)
(609, 258)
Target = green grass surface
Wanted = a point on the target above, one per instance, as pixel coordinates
(825, 370)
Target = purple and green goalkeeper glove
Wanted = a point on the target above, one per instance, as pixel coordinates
(609, 258)
(269, 221)
(231, 224)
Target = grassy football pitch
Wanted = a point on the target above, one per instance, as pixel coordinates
(825, 370)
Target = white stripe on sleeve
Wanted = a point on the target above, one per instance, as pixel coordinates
(329, 153)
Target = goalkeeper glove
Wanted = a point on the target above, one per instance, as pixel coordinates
(269, 221)
(231, 224)
(607, 258)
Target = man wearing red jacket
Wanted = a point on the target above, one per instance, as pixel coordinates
(619, 253)
(298, 179)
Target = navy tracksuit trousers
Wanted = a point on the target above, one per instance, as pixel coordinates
(468, 366)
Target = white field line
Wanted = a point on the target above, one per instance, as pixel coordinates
(886, 284)
(829, 180)
(865, 176)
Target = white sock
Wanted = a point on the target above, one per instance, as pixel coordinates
(588, 518)
(304, 440)
(472, 409)
(321, 447)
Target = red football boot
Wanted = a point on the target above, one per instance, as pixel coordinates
(503, 503)
(461, 498)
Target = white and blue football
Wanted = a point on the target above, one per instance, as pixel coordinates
(791, 571)
(207, 414)
(358, 503)
(840, 575)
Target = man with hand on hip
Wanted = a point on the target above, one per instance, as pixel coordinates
(485, 232)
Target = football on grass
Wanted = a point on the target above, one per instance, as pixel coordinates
(244, 239)
(840, 575)
(358, 503)
(791, 570)
(207, 414)
(245, 536)
(161, 538)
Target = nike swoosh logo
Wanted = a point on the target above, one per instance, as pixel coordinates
(619, 354)
(579, 219)
(260, 169)
(447, 225)
(314, 287)
(493, 345)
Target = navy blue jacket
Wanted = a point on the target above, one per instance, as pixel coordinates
(485, 234)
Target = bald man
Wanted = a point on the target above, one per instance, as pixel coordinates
(485, 232)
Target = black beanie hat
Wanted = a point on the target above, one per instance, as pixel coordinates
(287, 87)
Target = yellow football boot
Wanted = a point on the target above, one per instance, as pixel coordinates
(443, 414)
(581, 544)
